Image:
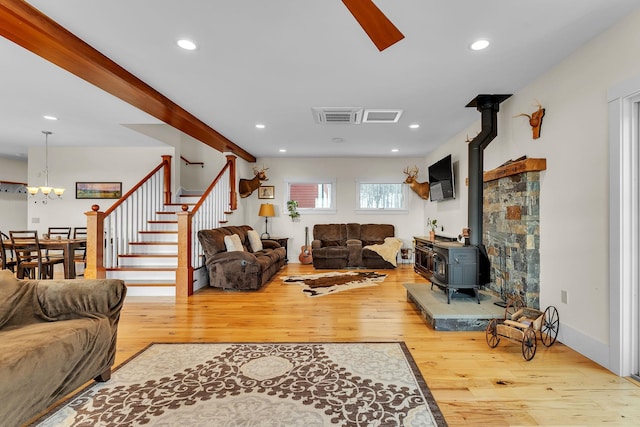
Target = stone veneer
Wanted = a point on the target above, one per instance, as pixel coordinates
(511, 234)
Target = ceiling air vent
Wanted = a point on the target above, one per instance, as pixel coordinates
(337, 115)
(381, 116)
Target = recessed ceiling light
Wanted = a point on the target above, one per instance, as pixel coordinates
(479, 44)
(394, 150)
(260, 126)
(283, 150)
(50, 117)
(414, 126)
(337, 140)
(187, 44)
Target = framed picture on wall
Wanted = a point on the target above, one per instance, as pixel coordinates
(98, 190)
(266, 192)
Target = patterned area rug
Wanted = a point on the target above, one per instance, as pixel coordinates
(267, 384)
(317, 285)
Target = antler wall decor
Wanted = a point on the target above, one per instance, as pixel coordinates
(535, 120)
(468, 140)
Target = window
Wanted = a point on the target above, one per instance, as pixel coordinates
(313, 195)
(381, 197)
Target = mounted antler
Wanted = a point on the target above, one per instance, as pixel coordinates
(535, 120)
(420, 188)
(468, 140)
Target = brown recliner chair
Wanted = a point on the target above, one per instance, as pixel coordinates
(340, 246)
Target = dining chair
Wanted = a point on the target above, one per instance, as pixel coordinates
(80, 254)
(63, 232)
(31, 257)
(57, 233)
(7, 255)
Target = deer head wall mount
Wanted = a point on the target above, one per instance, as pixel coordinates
(535, 120)
(420, 188)
(247, 186)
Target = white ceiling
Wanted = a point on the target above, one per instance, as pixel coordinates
(271, 61)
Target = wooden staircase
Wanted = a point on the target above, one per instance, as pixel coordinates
(149, 239)
(149, 266)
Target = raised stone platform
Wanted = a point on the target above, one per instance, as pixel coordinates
(463, 314)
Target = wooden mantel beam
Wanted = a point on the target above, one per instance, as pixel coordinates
(514, 168)
(36, 32)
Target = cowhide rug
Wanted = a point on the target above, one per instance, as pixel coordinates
(317, 285)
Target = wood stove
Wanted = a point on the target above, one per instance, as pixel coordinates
(448, 265)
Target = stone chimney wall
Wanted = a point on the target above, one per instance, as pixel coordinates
(511, 234)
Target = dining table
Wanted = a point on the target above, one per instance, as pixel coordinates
(68, 247)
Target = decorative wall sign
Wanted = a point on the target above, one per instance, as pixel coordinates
(98, 190)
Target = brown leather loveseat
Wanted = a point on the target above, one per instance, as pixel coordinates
(248, 267)
(343, 245)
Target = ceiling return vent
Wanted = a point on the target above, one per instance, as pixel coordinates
(381, 116)
(337, 115)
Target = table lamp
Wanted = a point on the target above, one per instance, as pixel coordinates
(266, 210)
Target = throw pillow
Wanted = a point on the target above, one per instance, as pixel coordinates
(254, 240)
(233, 243)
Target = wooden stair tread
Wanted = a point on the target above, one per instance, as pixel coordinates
(148, 256)
(149, 282)
(145, 268)
(154, 243)
(158, 232)
(159, 221)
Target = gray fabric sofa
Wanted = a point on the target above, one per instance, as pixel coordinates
(245, 270)
(339, 246)
(55, 335)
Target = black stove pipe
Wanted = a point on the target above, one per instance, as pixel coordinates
(488, 105)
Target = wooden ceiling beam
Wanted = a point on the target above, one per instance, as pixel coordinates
(378, 27)
(28, 27)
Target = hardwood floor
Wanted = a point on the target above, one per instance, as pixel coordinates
(472, 383)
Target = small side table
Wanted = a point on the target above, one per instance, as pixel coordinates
(282, 241)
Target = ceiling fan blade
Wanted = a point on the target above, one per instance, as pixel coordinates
(381, 31)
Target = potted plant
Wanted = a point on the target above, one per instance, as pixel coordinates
(432, 224)
(292, 207)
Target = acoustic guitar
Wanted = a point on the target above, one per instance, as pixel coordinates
(305, 252)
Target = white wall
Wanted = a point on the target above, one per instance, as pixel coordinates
(68, 165)
(345, 171)
(196, 177)
(13, 207)
(574, 189)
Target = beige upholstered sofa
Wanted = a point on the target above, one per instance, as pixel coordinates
(55, 335)
(248, 268)
(343, 245)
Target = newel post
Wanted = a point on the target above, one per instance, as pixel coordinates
(167, 179)
(233, 199)
(95, 244)
(184, 273)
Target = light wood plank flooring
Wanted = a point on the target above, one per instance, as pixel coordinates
(472, 383)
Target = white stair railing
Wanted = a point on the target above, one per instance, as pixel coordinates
(210, 210)
(110, 233)
(124, 224)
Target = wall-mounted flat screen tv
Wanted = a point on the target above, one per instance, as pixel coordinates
(441, 182)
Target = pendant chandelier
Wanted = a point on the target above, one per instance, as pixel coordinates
(48, 192)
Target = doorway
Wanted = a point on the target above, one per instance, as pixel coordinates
(624, 228)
